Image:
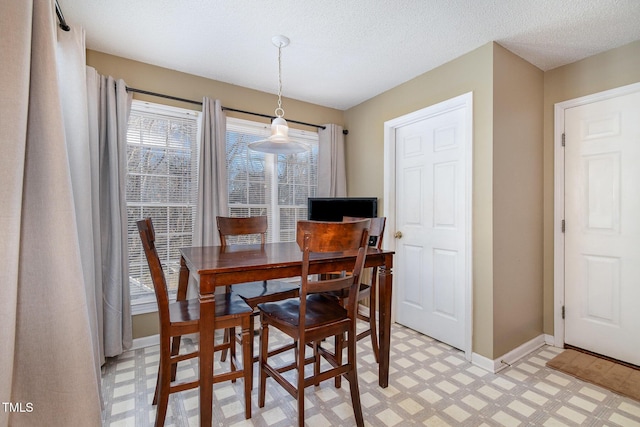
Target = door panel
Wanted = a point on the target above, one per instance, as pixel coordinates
(444, 298)
(430, 214)
(602, 235)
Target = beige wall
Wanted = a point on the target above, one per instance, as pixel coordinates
(615, 68)
(513, 149)
(472, 72)
(145, 325)
(169, 82)
(517, 201)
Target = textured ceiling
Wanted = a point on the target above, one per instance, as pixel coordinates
(344, 52)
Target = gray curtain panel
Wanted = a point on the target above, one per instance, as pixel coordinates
(212, 179)
(71, 62)
(212, 173)
(47, 358)
(114, 105)
(332, 175)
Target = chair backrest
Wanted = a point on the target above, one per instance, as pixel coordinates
(148, 237)
(322, 237)
(241, 226)
(376, 229)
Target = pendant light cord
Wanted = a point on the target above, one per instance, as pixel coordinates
(279, 111)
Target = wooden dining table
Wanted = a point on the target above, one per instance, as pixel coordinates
(217, 266)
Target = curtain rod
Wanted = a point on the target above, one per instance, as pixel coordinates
(63, 23)
(175, 98)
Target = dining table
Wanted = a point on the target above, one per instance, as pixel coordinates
(221, 266)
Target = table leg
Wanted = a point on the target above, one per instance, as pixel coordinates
(207, 332)
(384, 301)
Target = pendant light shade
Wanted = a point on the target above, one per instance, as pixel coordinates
(279, 142)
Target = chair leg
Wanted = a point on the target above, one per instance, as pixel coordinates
(226, 338)
(232, 350)
(155, 393)
(339, 340)
(355, 397)
(316, 362)
(264, 348)
(228, 333)
(352, 377)
(300, 387)
(372, 323)
(164, 382)
(251, 348)
(247, 357)
(175, 350)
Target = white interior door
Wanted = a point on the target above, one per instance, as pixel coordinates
(431, 212)
(602, 232)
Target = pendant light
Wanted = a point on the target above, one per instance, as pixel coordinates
(279, 142)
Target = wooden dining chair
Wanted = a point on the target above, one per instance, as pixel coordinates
(253, 293)
(370, 288)
(183, 317)
(310, 321)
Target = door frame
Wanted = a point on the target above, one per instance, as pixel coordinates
(558, 199)
(389, 205)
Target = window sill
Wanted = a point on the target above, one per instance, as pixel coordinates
(143, 307)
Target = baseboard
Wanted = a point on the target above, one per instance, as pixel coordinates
(550, 340)
(509, 358)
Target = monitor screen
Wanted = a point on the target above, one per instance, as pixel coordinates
(334, 208)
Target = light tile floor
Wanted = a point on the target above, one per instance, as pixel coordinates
(430, 384)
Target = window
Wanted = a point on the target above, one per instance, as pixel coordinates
(266, 184)
(162, 173)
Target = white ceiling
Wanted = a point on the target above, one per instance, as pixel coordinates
(344, 52)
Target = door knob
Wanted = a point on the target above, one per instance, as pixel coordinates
(398, 235)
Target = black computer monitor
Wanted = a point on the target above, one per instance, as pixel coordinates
(334, 208)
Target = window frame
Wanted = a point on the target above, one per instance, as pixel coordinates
(260, 130)
(147, 303)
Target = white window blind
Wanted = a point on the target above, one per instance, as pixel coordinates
(162, 173)
(266, 184)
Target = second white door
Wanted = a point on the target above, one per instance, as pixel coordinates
(602, 237)
(431, 227)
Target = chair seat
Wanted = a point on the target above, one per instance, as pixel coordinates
(320, 310)
(255, 293)
(189, 310)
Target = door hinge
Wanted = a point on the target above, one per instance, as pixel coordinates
(563, 225)
(563, 139)
(563, 311)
